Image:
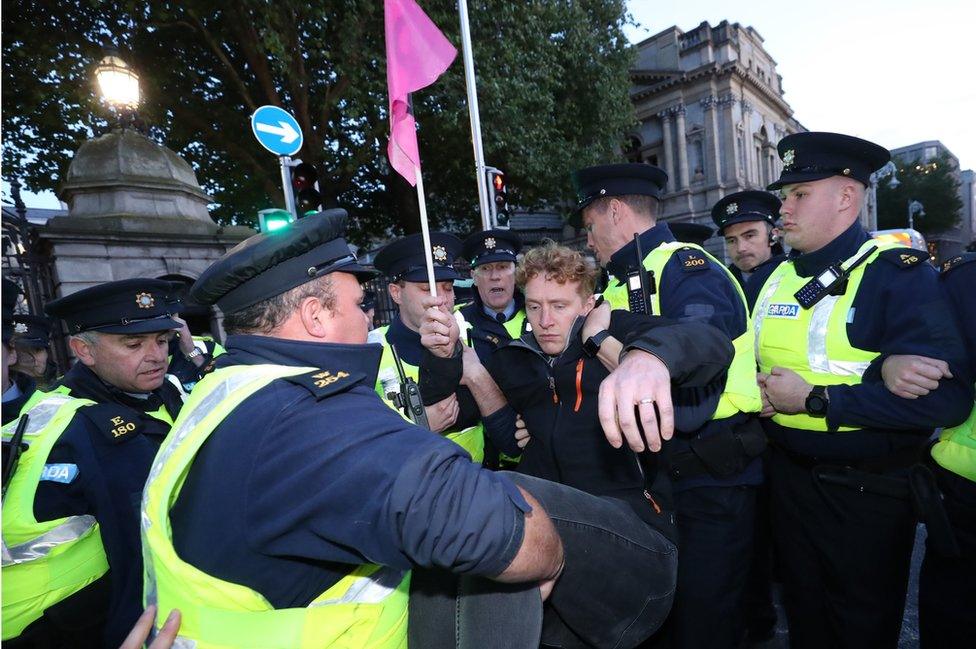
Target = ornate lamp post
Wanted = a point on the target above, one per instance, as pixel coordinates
(118, 87)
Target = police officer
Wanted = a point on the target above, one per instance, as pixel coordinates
(33, 340)
(947, 583)
(497, 312)
(451, 410)
(71, 520)
(17, 388)
(715, 468)
(289, 503)
(747, 222)
(825, 320)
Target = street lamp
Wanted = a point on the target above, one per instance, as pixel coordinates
(118, 84)
(884, 172)
(914, 207)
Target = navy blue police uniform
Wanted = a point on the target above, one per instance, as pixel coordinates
(844, 544)
(752, 207)
(404, 260)
(947, 582)
(715, 512)
(488, 330)
(301, 483)
(745, 207)
(104, 465)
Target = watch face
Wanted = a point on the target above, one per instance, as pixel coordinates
(816, 405)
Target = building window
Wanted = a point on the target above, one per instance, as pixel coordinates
(632, 148)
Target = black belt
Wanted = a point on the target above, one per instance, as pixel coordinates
(719, 456)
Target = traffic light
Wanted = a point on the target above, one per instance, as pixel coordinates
(499, 197)
(273, 219)
(307, 198)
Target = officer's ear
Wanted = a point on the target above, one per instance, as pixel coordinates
(9, 355)
(82, 349)
(315, 316)
(395, 289)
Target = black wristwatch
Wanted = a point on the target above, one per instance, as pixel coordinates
(816, 403)
(592, 344)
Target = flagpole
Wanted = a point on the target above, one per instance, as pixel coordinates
(425, 230)
(471, 84)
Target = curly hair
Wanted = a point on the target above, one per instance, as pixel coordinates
(560, 264)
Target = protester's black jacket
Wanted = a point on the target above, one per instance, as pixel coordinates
(558, 399)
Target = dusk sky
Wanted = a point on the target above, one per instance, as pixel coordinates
(894, 72)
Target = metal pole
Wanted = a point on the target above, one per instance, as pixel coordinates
(471, 84)
(911, 216)
(286, 185)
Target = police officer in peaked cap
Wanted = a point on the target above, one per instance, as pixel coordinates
(91, 441)
(497, 310)
(451, 408)
(843, 444)
(715, 468)
(290, 502)
(747, 222)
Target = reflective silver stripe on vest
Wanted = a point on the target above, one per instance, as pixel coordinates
(73, 527)
(41, 415)
(760, 312)
(40, 547)
(176, 437)
(181, 642)
(368, 590)
(817, 356)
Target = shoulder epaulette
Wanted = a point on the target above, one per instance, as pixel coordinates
(115, 421)
(691, 260)
(904, 257)
(322, 383)
(957, 261)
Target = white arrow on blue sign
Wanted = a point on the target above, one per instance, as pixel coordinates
(276, 130)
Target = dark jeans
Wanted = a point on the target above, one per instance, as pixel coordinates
(844, 556)
(759, 614)
(715, 531)
(615, 590)
(947, 585)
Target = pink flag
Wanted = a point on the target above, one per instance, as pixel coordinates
(416, 54)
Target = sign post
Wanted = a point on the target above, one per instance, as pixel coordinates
(278, 131)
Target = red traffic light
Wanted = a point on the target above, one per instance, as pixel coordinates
(303, 177)
(498, 180)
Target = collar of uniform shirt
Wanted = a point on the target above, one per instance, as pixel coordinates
(841, 248)
(258, 350)
(625, 260)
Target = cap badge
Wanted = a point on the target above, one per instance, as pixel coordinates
(732, 209)
(490, 243)
(145, 301)
(20, 328)
(440, 254)
(788, 157)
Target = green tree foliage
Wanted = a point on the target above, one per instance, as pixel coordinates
(552, 87)
(934, 184)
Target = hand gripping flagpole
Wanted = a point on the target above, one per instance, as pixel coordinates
(470, 83)
(425, 230)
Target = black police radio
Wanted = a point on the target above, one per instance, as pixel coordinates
(640, 284)
(830, 281)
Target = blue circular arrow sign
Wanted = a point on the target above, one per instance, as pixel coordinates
(276, 130)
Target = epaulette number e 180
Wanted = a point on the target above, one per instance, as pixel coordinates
(957, 261)
(116, 422)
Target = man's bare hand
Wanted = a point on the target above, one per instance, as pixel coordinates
(641, 381)
(164, 639)
(911, 377)
(522, 436)
(472, 371)
(442, 414)
(767, 410)
(786, 391)
(597, 320)
(439, 330)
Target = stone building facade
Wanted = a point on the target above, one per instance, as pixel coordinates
(711, 110)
